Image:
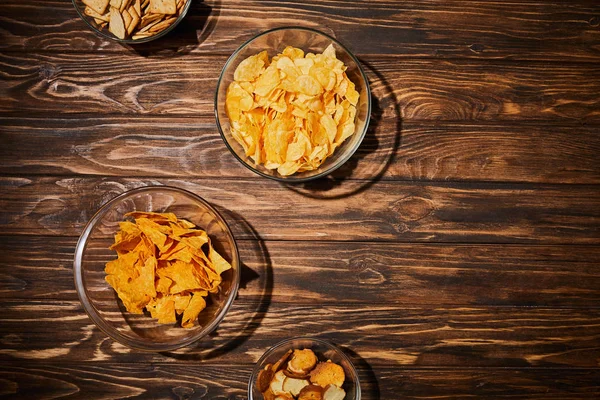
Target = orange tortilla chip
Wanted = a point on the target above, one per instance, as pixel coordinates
(164, 265)
(154, 216)
(197, 304)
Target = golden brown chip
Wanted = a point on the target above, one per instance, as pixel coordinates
(327, 373)
(302, 361)
(291, 112)
(281, 363)
(264, 379)
(284, 396)
(269, 395)
(311, 392)
(290, 374)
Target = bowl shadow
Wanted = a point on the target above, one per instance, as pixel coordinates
(378, 146)
(191, 32)
(369, 383)
(203, 349)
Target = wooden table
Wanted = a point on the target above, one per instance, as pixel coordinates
(455, 255)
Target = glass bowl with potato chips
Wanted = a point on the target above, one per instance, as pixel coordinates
(292, 104)
(156, 268)
(304, 368)
(132, 21)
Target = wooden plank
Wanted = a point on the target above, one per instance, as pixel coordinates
(188, 147)
(50, 381)
(460, 90)
(549, 30)
(382, 333)
(416, 274)
(330, 210)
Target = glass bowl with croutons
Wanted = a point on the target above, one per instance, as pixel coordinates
(132, 21)
(304, 369)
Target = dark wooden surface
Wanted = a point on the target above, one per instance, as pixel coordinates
(456, 255)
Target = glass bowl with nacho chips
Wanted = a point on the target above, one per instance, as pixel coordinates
(292, 104)
(132, 21)
(156, 268)
(287, 370)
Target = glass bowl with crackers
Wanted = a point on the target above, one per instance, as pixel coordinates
(292, 104)
(132, 21)
(156, 268)
(304, 369)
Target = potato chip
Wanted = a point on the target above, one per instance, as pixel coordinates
(165, 265)
(291, 112)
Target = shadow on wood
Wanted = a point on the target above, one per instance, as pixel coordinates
(369, 385)
(202, 349)
(197, 25)
(338, 184)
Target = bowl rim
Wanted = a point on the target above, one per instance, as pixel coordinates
(99, 321)
(291, 178)
(286, 342)
(131, 41)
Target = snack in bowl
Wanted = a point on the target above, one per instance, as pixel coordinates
(299, 374)
(134, 19)
(291, 112)
(165, 265)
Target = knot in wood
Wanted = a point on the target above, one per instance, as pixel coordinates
(412, 208)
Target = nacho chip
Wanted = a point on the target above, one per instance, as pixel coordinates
(291, 112)
(197, 304)
(164, 265)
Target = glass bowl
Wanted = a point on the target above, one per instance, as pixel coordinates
(309, 40)
(324, 351)
(105, 33)
(101, 302)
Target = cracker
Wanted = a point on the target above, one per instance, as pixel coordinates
(163, 6)
(90, 12)
(116, 24)
(97, 5)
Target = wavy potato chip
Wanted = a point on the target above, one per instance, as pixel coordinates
(165, 265)
(291, 112)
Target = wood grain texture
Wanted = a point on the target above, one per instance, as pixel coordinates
(415, 274)
(456, 90)
(549, 30)
(478, 213)
(164, 146)
(385, 334)
(455, 255)
(206, 381)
